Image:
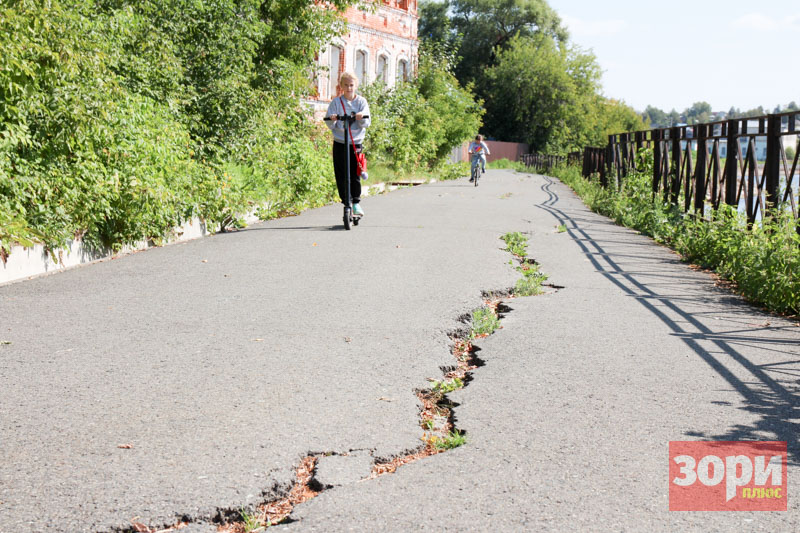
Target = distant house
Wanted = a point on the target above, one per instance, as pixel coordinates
(380, 45)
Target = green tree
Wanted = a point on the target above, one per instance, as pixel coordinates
(487, 27)
(550, 103)
(434, 22)
(614, 116)
(655, 117)
(698, 113)
(755, 112)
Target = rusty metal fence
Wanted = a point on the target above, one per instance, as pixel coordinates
(740, 162)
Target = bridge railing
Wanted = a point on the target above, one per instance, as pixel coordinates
(741, 162)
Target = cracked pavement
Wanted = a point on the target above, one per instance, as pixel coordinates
(296, 337)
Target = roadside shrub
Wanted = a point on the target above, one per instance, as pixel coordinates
(417, 124)
(120, 119)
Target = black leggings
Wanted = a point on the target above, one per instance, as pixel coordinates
(340, 170)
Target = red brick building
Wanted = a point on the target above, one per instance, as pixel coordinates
(377, 46)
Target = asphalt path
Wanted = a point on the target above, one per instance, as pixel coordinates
(190, 380)
(568, 422)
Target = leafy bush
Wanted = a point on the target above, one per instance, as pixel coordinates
(453, 171)
(120, 119)
(507, 164)
(417, 124)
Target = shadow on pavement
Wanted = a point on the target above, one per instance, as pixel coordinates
(770, 394)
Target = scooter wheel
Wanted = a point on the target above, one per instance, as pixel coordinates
(347, 218)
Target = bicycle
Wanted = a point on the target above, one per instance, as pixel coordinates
(349, 218)
(476, 168)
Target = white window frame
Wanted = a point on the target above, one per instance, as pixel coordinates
(363, 75)
(383, 54)
(334, 72)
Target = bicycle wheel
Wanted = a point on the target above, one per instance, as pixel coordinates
(476, 173)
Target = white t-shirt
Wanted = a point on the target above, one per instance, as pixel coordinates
(358, 128)
(478, 148)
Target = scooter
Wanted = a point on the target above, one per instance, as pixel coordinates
(349, 218)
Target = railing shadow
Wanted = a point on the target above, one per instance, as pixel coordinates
(770, 391)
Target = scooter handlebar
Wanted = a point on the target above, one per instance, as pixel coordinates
(351, 117)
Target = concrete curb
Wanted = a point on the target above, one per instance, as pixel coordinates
(26, 263)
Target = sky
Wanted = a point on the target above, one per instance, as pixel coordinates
(673, 53)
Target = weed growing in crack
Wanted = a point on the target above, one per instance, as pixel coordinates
(516, 243)
(444, 387)
(454, 439)
(252, 523)
(435, 405)
(532, 277)
(274, 512)
(531, 282)
(484, 322)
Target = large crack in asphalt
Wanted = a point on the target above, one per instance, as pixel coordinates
(438, 424)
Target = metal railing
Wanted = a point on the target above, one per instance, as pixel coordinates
(741, 162)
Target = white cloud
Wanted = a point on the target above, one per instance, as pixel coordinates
(761, 22)
(593, 28)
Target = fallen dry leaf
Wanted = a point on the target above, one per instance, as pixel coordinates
(125, 446)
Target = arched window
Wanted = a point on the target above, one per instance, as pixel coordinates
(382, 69)
(336, 67)
(402, 70)
(361, 67)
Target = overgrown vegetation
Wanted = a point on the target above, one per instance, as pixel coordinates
(121, 119)
(763, 260)
(507, 164)
(415, 125)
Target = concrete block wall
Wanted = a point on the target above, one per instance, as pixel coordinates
(497, 150)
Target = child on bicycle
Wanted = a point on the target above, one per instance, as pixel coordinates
(346, 103)
(478, 150)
